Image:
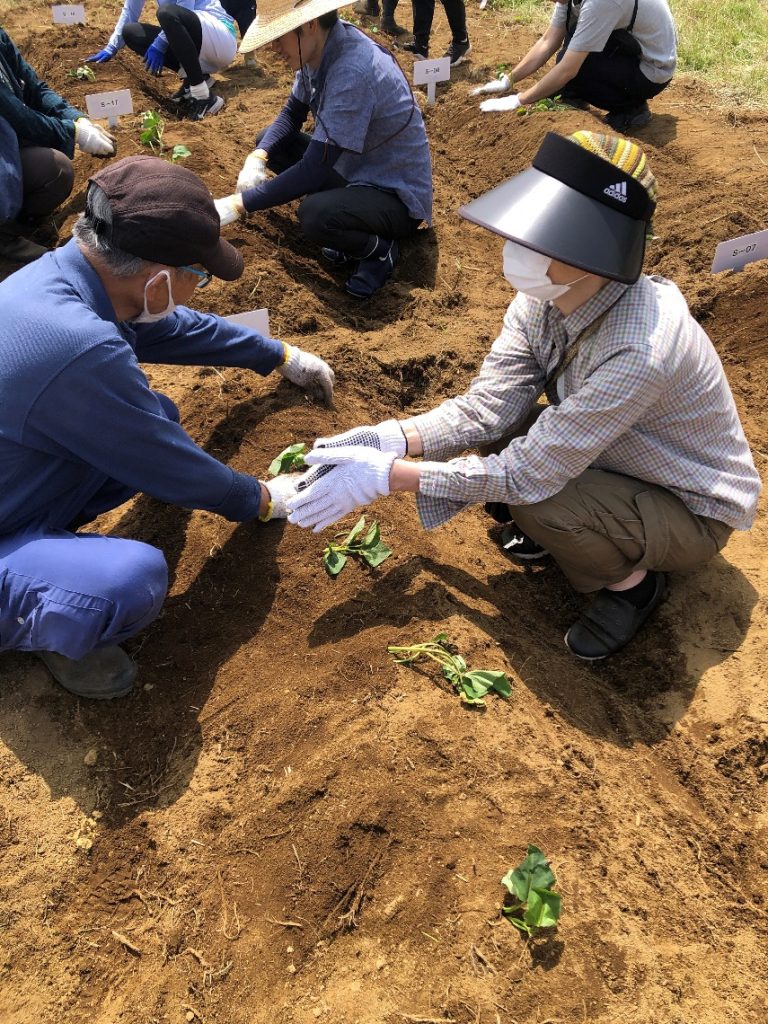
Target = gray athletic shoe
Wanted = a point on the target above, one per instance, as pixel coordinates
(101, 675)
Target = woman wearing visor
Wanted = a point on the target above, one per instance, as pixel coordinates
(365, 170)
(637, 466)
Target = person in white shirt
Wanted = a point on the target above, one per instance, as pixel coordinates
(614, 54)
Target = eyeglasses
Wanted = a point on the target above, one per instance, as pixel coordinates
(206, 276)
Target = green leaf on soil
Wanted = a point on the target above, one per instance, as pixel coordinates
(180, 152)
(289, 460)
(532, 873)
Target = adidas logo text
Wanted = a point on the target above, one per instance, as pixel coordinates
(617, 191)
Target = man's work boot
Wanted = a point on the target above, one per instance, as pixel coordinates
(101, 675)
(15, 247)
(367, 8)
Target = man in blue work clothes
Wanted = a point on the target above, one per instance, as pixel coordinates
(365, 170)
(81, 431)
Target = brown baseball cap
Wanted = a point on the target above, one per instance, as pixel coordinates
(165, 214)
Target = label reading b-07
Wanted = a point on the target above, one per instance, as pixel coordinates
(736, 253)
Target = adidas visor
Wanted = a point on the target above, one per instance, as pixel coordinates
(573, 206)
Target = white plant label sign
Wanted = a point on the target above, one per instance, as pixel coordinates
(68, 14)
(736, 253)
(109, 105)
(256, 319)
(430, 72)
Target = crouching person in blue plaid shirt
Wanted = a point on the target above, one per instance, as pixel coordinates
(638, 464)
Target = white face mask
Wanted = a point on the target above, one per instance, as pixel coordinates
(526, 271)
(150, 318)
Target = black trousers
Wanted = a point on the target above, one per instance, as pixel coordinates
(48, 177)
(342, 216)
(613, 83)
(185, 39)
(423, 13)
(243, 11)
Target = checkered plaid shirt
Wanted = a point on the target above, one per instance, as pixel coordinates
(646, 395)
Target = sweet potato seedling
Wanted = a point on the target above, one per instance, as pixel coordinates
(370, 548)
(180, 152)
(471, 684)
(552, 103)
(82, 74)
(290, 460)
(152, 128)
(534, 905)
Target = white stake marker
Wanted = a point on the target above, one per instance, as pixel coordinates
(430, 72)
(256, 319)
(736, 253)
(109, 105)
(68, 14)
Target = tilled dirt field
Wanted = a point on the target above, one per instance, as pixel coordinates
(282, 826)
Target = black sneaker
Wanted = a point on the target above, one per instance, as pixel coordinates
(610, 622)
(629, 120)
(373, 273)
(182, 94)
(196, 110)
(335, 257)
(458, 52)
(520, 545)
(419, 52)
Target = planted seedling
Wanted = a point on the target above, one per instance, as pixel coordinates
(471, 684)
(180, 152)
(370, 548)
(552, 103)
(534, 905)
(152, 128)
(82, 74)
(290, 460)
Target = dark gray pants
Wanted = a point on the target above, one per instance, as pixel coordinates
(48, 177)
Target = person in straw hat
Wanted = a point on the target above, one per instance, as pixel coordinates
(365, 171)
(636, 467)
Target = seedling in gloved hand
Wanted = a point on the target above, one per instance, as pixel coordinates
(290, 460)
(471, 684)
(534, 905)
(370, 548)
(82, 74)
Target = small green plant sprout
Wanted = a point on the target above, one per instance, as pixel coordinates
(289, 460)
(180, 152)
(82, 74)
(152, 128)
(371, 548)
(471, 684)
(551, 103)
(534, 905)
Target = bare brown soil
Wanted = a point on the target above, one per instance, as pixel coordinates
(282, 826)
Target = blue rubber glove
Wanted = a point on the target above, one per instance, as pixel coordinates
(102, 56)
(154, 59)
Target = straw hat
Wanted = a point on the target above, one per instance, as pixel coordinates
(276, 17)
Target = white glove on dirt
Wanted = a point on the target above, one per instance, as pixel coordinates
(92, 139)
(281, 490)
(501, 84)
(358, 476)
(227, 209)
(508, 103)
(309, 372)
(254, 171)
(385, 437)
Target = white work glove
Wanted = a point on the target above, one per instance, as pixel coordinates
(507, 103)
(227, 209)
(358, 476)
(281, 490)
(501, 84)
(309, 372)
(385, 437)
(93, 139)
(253, 173)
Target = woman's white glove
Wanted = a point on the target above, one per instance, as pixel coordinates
(281, 490)
(309, 372)
(358, 476)
(253, 173)
(501, 84)
(385, 437)
(92, 139)
(507, 103)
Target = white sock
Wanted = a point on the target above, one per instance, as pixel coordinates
(199, 92)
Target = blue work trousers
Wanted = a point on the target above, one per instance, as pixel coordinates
(74, 592)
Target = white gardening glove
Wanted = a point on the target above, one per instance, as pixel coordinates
(254, 172)
(507, 103)
(501, 84)
(93, 139)
(281, 490)
(309, 372)
(385, 437)
(358, 476)
(228, 209)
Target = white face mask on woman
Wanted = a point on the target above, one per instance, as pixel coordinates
(526, 271)
(150, 318)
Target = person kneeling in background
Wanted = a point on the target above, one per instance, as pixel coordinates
(38, 134)
(638, 465)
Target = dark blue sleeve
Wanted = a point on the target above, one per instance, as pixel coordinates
(189, 338)
(127, 436)
(312, 173)
(287, 123)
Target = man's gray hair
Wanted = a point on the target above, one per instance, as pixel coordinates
(93, 229)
